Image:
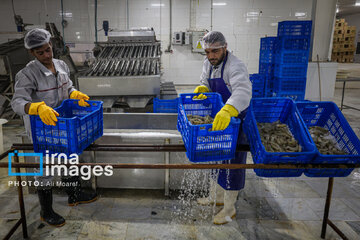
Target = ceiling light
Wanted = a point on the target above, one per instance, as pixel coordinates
(252, 14)
(219, 4)
(337, 10)
(157, 4)
(300, 14)
(357, 3)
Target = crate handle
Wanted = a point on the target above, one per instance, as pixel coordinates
(269, 103)
(311, 107)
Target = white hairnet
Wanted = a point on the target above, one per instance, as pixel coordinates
(213, 39)
(36, 38)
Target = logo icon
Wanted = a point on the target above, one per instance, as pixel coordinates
(40, 155)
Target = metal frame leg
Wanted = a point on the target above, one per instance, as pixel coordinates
(21, 200)
(22, 219)
(326, 219)
(327, 207)
(167, 171)
(342, 96)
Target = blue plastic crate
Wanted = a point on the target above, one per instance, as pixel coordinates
(329, 116)
(77, 127)
(266, 69)
(294, 28)
(296, 96)
(201, 144)
(268, 43)
(269, 86)
(270, 110)
(292, 57)
(258, 84)
(291, 85)
(165, 105)
(267, 56)
(293, 43)
(290, 70)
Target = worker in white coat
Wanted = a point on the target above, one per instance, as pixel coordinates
(227, 75)
(40, 87)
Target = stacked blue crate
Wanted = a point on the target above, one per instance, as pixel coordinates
(258, 85)
(266, 63)
(291, 59)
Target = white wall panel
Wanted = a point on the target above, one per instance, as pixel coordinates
(239, 20)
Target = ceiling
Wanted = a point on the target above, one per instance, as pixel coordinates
(347, 7)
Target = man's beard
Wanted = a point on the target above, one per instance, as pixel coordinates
(220, 60)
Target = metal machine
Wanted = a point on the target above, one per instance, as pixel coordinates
(13, 57)
(126, 69)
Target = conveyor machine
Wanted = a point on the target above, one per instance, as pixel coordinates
(126, 69)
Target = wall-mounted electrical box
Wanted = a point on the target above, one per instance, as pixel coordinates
(196, 41)
(179, 38)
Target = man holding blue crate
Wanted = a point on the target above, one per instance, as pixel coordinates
(227, 75)
(39, 88)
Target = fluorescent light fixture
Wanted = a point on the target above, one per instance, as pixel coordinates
(219, 4)
(357, 3)
(252, 14)
(300, 14)
(251, 19)
(337, 10)
(274, 24)
(66, 14)
(157, 4)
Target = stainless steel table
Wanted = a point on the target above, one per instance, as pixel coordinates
(345, 80)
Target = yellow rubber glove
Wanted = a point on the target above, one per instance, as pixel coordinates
(46, 113)
(80, 96)
(223, 117)
(200, 89)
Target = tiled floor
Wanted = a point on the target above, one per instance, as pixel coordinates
(290, 208)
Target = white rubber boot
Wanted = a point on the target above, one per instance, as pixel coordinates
(216, 193)
(229, 211)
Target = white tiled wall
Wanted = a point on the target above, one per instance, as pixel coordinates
(243, 22)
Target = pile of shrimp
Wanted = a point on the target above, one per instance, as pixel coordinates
(276, 137)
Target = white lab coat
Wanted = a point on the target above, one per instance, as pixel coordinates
(36, 83)
(236, 78)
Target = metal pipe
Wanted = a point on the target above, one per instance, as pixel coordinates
(327, 207)
(127, 14)
(13, 229)
(167, 171)
(21, 199)
(5, 154)
(115, 68)
(170, 32)
(138, 55)
(191, 166)
(121, 52)
(141, 67)
(63, 25)
(337, 230)
(146, 51)
(342, 96)
(211, 15)
(147, 65)
(96, 36)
